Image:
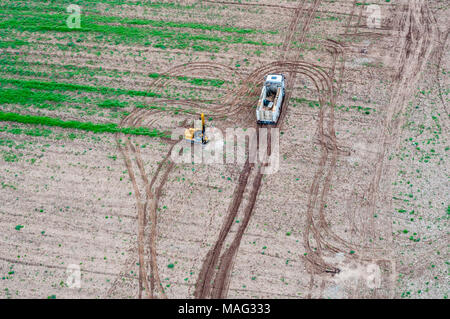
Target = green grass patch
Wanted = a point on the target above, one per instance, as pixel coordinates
(58, 86)
(86, 126)
(95, 18)
(112, 104)
(27, 96)
(156, 37)
(194, 81)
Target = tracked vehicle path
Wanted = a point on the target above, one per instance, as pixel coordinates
(215, 274)
(418, 35)
(415, 50)
(147, 200)
(213, 281)
(147, 203)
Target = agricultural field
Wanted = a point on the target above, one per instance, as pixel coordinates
(93, 203)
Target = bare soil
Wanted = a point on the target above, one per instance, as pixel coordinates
(358, 208)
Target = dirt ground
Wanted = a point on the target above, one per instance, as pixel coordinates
(359, 207)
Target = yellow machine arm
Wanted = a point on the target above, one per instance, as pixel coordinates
(190, 133)
(203, 124)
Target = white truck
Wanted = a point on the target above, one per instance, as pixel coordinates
(269, 105)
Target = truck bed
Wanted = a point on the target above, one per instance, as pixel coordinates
(272, 98)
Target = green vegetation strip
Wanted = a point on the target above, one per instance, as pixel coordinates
(314, 104)
(26, 96)
(92, 4)
(85, 126)
(25, 9)
(190, 80)
(165, 38)
(93, 18)
(52, 86)
(9, 64)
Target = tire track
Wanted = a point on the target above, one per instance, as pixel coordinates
(218, 288)
(407, 66)
(417, 36)
(221, 107)
(325, 86)
(135, 118)
(139, 117)
(328, 144)
(143, 282)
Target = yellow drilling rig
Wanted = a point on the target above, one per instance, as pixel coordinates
(196, 135)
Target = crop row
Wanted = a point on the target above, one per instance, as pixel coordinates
(97, 18)
(161, 38)
(12, 66)
(92, 4)
(85, 126)
(58, 86)
(316, 104)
